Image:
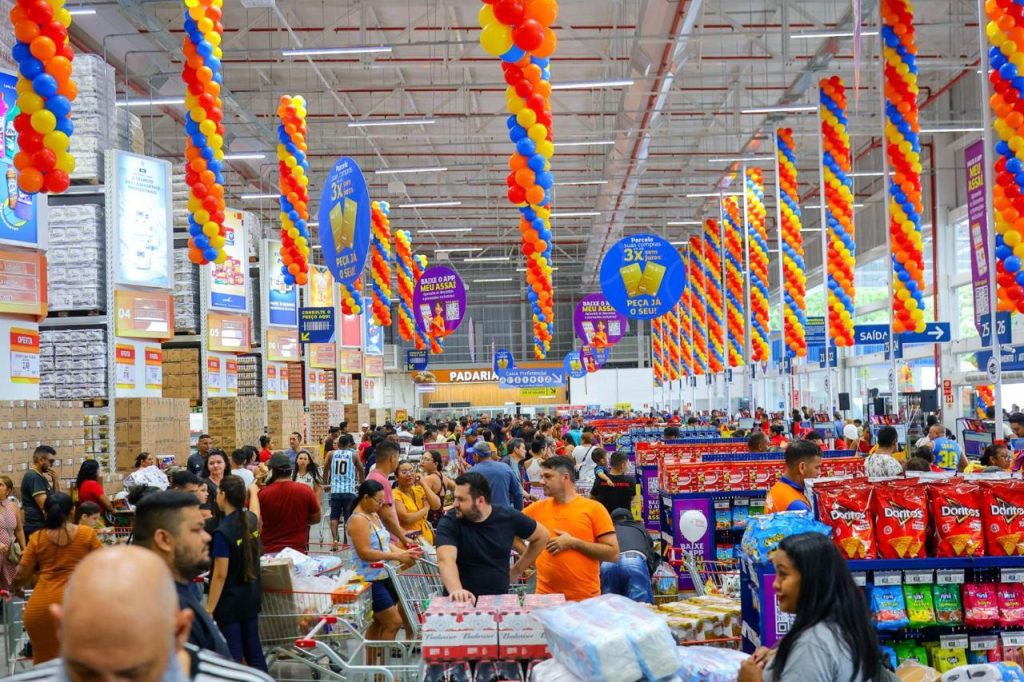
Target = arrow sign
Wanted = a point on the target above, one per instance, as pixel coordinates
(316, 325)
(934, 332)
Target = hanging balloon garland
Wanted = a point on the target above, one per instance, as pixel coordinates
(757, 233)
(903, 148)
(204, 128)
(697, 306)
(419, 264)
(380, 262)
(45, 94)
(712, 272)
(672, 344)
(986, 399)
(794, 314)
(293, 167)
(352, 298)
(685, 335)
(1007, 102)
(735, 314)
(842, 245)
(520, 34)
(658, 351)
(406, 282)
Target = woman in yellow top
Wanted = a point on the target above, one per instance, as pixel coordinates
(413, 502)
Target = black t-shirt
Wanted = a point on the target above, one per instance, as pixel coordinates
(31, 485)
(616, 496)
(484, 548)
(240, 600)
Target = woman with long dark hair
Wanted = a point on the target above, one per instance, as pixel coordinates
(832, 638)
(234, 597)
(51, 556)
(306, 471)
(89, 487)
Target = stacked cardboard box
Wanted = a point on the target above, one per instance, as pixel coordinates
(357, 414)
(181, 374)
(158, 426)
(379, 416)
(234, 422)
(322, 416)
(295, 381)
(249, 375)
(97, 435)
(27, 424)
(284, 417)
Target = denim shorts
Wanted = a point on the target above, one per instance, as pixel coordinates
(342, 505)
(384, 595)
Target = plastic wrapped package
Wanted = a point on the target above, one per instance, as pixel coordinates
(76, 259)
(987, 672)
(94, 112)
(186, 294)
(708, 664)
(552, 671)
(76, 362)
(764, 533)
(130, 135)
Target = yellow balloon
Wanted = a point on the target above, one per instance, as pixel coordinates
(208, 127)
(199, 115)
(222, 256)
(496, 38)
(30, 103)
(194, 204)
(537, 133)
(56, 141)
(526, 117)
(485, 16)
(210, 229)
(215, 141)
(546, 148)
(203, 218)
(516, 105)
(64, 17)
(217, 242)
(43, 121)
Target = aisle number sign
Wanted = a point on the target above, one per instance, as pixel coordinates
(23, 283)
(323, 355)
(283, 345)
(124, 369)
(229, 333)
(154, 367)
(24, 356)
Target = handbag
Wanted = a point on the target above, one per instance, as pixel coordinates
(14, 553)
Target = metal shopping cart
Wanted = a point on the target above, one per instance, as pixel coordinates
(15, 637)
(709, 577)
(416, 586)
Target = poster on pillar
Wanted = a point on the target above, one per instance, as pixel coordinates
(22, 216)
(277, 381)
(345, 394)
(316, 385)
(135, 369)
(597, 323)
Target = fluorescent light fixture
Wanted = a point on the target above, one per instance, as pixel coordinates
(257, 197)
(400, 171)
(933, 131)
(154, 102)
(684, 222)
(396, 122)
(312, 224)
(866, 174)
(741, 159)
(817, 207)
(581, 182)
(489, 281)
(316, 247)
(244, 156)
(457, 249)
(328, 51)
(829, 34)
(81, 11)
(445, 230)
(524, 269)
(488, 259)
(592, 85)
(701, 195)
(795, 109)
(576, 214)
(593, 143)
(431, 204)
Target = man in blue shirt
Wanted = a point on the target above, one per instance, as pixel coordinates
(948, 453)
(506, 490)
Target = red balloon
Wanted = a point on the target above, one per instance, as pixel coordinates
(56, 32)
(57, 181)
(524, 89)
(516, 194)
(40, 12)
(528, 35)
(23, 122)
(67, 52)
(44, 160)
(509, 12)
(30, 141)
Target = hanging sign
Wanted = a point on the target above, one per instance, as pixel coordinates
(316, 325)
(323, 355)
(416, 360)
(144, 314)
(231, 377)
(345, 389)
(24, 356)
(124, 370)
(373, 366)
(439, 303)
(373, 334)
(350, 361)
(282, 298)
(228, 279)
(642, 276)
(573, 365)
(321, 288)
(228, 333)
(19, 223)
(154, 367)
(588, 360)
(23, 283)
(597, 323)
(283, 345)
(345, 221)
(503, 361)
(142, 220)
(526, 377)
(273, 385)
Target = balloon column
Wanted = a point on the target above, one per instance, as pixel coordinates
(380, 270)
(986, 399)
(658, 351)
(293, 167)
(419, 264)
(45, 93)
(712, 271)
(406, 282)
(520, 34)
(697, 306)
(794, 315)
(903, 147)
(672, 344)
(204, 149)
(757, 232)
(735, 310)
(842, 245)
(352, 298)
(685, 335)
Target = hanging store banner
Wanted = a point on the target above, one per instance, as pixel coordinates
(978, 227)
(24, 356)
(372, 333)
(439, 303)
(283, 345)
(351, 331)
(22, 219)
(323, 355)
(282, 299)
(573, 365)
(316, 325)
(228, 279)
(597, 323)
(416, 360)
(229, 333)
(144, 314)
(141, 219)
(527, 377)
(350, 361)
(320, 289)
(344, 218)
(23, 283)
(503, 361)
(642, 276)
(587, 359)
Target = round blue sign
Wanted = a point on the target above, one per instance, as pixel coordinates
(642, 276)
(573, 365)
(345, 221)
(503, 361)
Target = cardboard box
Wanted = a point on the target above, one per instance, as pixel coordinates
(459, 632)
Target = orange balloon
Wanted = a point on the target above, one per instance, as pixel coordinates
(68, 89)
(535, 195)
(525, 178)
(30, 180)
(43, 48)
(26, 31)
(195, 256)
(516, 162)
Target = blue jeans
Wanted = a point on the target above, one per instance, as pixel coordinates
(628, 578)
(244, 642)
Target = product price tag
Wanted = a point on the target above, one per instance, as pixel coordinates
(860, 579)
(949, 577)
(1013, 639)
(984, 642)
(888, 579)
(954, 641)
(1012, 575)
(918, 577)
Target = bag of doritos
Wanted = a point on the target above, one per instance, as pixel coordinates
(845, 506)
(889, 607)
(1003, 514)
(956, 512)
(901, 519)
(948, 609)
(981, 606)
(920, 608)
(1010, 598)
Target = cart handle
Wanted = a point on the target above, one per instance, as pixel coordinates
(308, 642)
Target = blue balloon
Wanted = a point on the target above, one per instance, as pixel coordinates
(536, 163)
(30, 68)
(1012, 264)
(293, 216)
(1003, 252)
(514, 54)
(195, 230)
(529, 214)
(59, 105)
(289, 278)
(207, 153)
(545, 179)
(204, 49)
(526, 146)
(517, 133)
(1008, 71)
(21, 52)
(66, 126)
(210, 254)
(542, 62)
(510, 122)
(202, 241)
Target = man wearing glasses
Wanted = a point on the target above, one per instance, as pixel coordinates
(35, 487)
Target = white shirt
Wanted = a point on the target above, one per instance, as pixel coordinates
(584, 462)
(245, 475)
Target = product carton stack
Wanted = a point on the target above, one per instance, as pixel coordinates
(158, 426)
(27, 424)
(75, 270)
(130, 135)
(186, 294)
(249, 375)
(97, 436)
(322, 416)
(181, 374)
(73, 364)
(234, 422)
(356, 415)
(283, 418)
(379, 416)
(94, 113)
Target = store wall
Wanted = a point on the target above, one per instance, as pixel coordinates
(487, 395)
(609, 387)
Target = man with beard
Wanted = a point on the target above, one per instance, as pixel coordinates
(171, 525)
(474, 542)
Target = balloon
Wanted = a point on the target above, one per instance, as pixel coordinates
(496, 38)
(529, 35)
(30, 180)
(543, 11)
(508, 11)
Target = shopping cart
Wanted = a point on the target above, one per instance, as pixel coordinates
(709, 577)
(343, 555)
(15, 637)
(416, 586)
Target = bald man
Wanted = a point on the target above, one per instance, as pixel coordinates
(139, 639)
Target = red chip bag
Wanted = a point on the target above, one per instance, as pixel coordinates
(1003, 515)
(1010, 597)
(956, 511)
(846, 507)
(981, 606)
(901, 519)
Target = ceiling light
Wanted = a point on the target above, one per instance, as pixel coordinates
(152, 102)
(524, 269)
(256, 197)
(818, 206)
(431, 204)
(81, 11)
(316, 247)
(244, 157)
(829, 34)
(327, 51)
(701, 195)
(576, 214)
(487, 281)
(684, 222)
(445, 230)
(796, 109)
(399, 171)
(679, 243)
(441, 250)
(487, 259)
(581, 182)
(591, 85)
(934, 131)
(740, 159)
(312, 224)
(866, 174)
(594, 143)
(396, 122)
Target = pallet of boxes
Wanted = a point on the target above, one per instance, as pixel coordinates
(235, 422)
(284, 417)
(356, 415)
(181, 374)
(322, 416)
(158, 426)
(27, 424)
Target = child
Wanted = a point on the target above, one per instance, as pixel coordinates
(89, 514)
(600, 458)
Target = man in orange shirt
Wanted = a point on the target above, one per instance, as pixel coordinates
(803, 461)
(582, 535)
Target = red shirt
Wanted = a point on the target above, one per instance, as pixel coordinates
(286, 507)
(90, 491)
(265, 455)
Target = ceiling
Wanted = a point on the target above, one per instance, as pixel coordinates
(694, 66)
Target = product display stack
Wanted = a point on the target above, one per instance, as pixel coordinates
(235, 421)
(283, 418)
(153, 425)
(94, 112)
(249, 375)
(181, 374)
(76, 271)
(186, 294)
(73, 364)
(323, 415)
(130, 135)
(27, 424)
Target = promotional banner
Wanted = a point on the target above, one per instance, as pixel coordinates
(439, 303)
(344, 218)
(350, 361)
(372, 334)
(142, 220)
(282, 298)
(231, 377)
(321, 288)
(526, 377)
(23, 283)
(154, 367)
(373, 366)
(144, 315)
(20, 222)
(977, 227)
(597, 323)
(573, 365)
(24, 356)
(601, 356)
(214, 376)
(124, 366)
(283, 345)
(228, 279)
(503, 361)
(642, 276)
(350, 333)
(588, 360)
